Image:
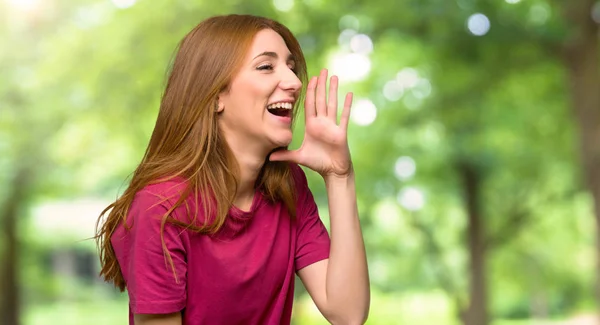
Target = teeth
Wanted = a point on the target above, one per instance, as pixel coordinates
(280, 105)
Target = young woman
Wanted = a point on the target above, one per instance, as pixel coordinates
(218, 217)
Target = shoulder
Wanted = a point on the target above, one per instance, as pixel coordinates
(158, 198)
(165, 192)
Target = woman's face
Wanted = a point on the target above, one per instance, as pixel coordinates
(256, 110)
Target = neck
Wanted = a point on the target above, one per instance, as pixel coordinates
(249, 167)
(250, 161)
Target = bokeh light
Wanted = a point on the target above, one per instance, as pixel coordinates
(407, 77)
(345, 38)
(478, 24)
(411, 198)
(539, 13)
(363, 112)
(361, 43)
(387, 217)
(351, 66)
(283, 5)
(422, 89)
(392, 90)
(405, 168)
(349, 22)
(24, 5)
(123, 4)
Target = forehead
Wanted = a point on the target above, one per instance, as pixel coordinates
(268, 40)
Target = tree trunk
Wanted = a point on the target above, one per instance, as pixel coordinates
(583, 64)
(476, 313)
(9, 285)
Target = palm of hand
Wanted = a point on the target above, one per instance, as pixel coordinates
(325, 146)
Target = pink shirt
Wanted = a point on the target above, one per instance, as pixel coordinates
(243, 275)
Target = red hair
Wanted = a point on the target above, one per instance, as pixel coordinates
(186, 141)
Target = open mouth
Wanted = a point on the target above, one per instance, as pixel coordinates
(281, 109)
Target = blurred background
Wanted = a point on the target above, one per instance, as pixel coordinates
(475, 136)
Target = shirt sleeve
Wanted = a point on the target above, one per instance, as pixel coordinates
(312, 241)
(152, 284)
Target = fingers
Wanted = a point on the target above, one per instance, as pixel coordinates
(317, 101)
(346, 111)
(309, 101)
(284, 155)
(321, 100)
(332, 102)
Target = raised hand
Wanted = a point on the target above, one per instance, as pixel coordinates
(325, 145)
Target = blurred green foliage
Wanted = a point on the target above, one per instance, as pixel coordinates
(79, 93)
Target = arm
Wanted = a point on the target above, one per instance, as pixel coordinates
(339, 286)
(163, 319)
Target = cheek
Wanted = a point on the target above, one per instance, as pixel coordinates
(261, 91)
(252, 95)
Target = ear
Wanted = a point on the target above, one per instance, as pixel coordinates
(220, 106)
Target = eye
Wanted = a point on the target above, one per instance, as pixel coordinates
(267, 66)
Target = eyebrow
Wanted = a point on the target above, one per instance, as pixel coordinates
(275, 56)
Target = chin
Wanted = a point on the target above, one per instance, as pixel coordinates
(282, 140)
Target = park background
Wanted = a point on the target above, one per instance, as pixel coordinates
(475, 137)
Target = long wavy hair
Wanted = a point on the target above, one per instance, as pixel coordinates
(187, 142)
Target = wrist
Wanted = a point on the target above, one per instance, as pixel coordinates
(339, 179)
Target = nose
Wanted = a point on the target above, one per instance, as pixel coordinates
(290, 81)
